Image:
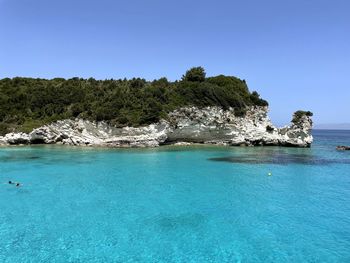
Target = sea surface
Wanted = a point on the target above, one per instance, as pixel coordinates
(177, 204)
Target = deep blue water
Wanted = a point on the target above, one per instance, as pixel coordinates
(177, 204)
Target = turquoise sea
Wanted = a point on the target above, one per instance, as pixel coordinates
(177, 204)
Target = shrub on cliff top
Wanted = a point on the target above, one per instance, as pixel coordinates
(32, 102)
(299, 114)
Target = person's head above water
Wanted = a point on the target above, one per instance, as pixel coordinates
(18, 184)
(10, 182)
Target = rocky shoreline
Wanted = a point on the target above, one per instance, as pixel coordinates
(210, 125)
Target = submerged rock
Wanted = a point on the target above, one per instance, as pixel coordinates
(210, 125)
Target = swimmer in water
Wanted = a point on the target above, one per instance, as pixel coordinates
(15, 183)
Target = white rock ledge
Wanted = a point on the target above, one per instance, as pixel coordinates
(211, 125)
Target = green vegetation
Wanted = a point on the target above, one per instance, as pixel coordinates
(196, 74)
(27, 103)
(299, 114)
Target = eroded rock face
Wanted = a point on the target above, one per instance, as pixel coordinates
(211, 125)
(15, 138)
(82, 132)
(298, 134)
(218, 126)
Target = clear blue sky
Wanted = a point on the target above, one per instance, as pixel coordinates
(295, 53)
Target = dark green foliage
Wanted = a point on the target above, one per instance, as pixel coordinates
(299, 114)
(269, 128)
(4, 128)
(196, 74)
(255, 98)
(27, 103)
(240, 112)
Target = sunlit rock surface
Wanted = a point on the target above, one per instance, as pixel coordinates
(211, 125)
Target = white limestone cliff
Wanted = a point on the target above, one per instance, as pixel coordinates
(210, 125)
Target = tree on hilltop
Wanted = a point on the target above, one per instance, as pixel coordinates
(196, 74)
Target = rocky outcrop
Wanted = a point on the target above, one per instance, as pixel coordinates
(82, 132)
(15, 138)
(217, 126)
(211, 125)
(343, 148)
